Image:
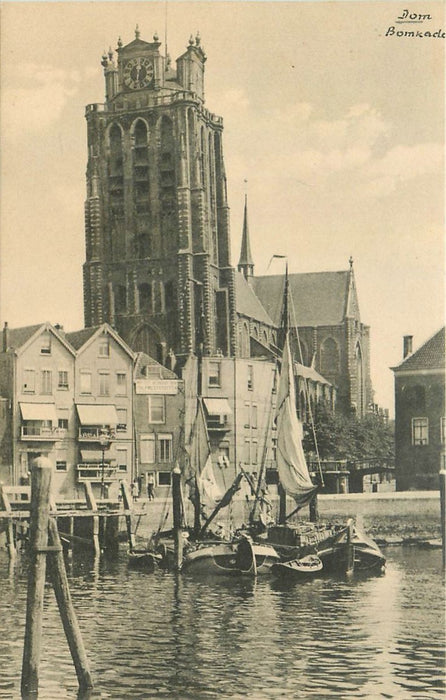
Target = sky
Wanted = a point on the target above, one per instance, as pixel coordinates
(337, 128)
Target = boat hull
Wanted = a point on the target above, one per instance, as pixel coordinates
(298, 569)
(240, 558)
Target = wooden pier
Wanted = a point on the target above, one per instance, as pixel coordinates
(92, 522)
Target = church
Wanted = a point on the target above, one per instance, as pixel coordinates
(157, 226)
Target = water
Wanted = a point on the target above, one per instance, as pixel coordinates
(163, 636)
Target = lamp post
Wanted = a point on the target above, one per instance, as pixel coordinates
(105, 442)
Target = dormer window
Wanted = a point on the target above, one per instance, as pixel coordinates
(45, 347)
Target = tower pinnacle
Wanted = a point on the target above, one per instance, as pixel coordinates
(246, 263)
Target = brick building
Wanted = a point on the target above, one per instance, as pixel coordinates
(420, 434)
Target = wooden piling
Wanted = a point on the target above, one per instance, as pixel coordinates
(314, 510)
(178, 533)
(443, 513)
(10, 539)
(91, 504)
(128, 503)
(38, 536)
(67, 613)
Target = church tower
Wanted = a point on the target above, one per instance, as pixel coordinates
(156, 216)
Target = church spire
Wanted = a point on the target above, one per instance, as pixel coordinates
(246, 263)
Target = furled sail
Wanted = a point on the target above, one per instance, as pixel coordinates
(291, 464)
(210, 492)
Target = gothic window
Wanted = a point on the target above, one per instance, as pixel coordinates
(192, 144)
(116, 189)
(141, 176)
(244, 341)
(120, 299)
(329, 356)
(203, 158)
(158, 297)
(359, 380)
(217, 162)
(145, 297)
(167, 185)
(169, 295)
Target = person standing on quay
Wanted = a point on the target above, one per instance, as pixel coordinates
(150, 487)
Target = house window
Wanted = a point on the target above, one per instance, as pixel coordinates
(147, 449)
(104, 348)
(165, 448)
(121, 383)
(164, 478)
(47, 381)
(62, 423)
(254, 415)
(45, 348)
(443, 430)
(63, 379)
(121, 459)
(29, 381)
(104, 384)
(420, 431)
(85, 382)
(250, 377)
(247, 452)
(214, 374)
(251, 415)
(122, 419)
(157, 413)
(61, 465)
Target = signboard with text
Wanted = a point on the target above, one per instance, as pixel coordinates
(156, 386)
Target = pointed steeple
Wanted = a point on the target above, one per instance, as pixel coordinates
(246, 263)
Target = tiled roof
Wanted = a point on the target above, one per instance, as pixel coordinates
(318, 298)
(144, 360)
(78, 338)
(247, 302)
(431, 355)
(19, 336)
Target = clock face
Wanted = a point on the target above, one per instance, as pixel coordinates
(138, 73)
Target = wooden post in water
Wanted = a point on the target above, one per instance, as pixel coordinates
(314, 512)
(443, 512)
(177, 529)
(128, 502)
(10, 539)
(91, 504)
(38, 540)
(282, 504)
(66, 609)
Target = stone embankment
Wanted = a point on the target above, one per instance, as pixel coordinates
(407, 518)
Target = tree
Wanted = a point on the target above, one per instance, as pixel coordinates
(341, 437)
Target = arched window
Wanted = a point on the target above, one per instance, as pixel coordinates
(359, 380)
(329, 356)
(146, 339)
(120, 299)
(244, 344)
(167, 186)
(141, 175)
(145, 297)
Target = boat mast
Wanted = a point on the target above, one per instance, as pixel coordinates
(284, 326)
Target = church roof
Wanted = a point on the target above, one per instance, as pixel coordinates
(318, 298)
(431, 355)
(248, 303)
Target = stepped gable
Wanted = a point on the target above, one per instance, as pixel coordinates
(319, 298)
(248, 304)
(431, 355)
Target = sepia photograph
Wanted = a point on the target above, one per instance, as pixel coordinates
(222, 350)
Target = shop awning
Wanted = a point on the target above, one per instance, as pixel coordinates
(39, 411)
(95, 456)
(92, 414)
(217, 407)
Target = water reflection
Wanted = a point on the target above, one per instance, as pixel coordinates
(170, 636)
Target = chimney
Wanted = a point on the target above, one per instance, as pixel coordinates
(407, 346)
(60, 329)
(5, 337)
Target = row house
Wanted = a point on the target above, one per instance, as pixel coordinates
(420, 429)
(69, 399)
(159, 419)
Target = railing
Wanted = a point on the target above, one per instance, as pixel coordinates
(36, 432)
(93, 434)
(217, 425)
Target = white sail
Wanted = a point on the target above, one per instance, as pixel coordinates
(291, 464)
(210, 492)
